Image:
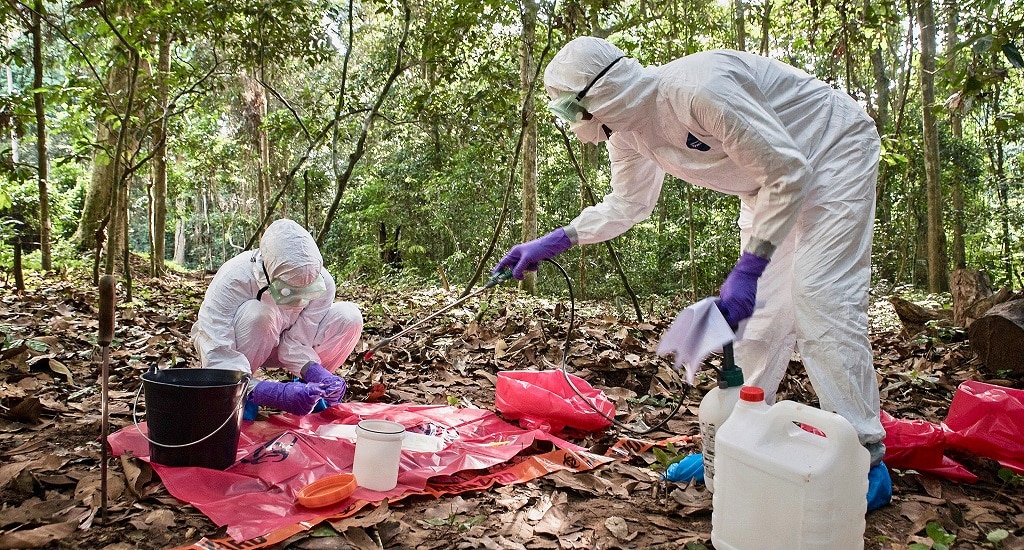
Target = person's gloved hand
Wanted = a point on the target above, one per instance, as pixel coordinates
(529, 255)
(294, 397)
(738, 295)
(334, 386)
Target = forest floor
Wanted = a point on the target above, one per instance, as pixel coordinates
(50, 407)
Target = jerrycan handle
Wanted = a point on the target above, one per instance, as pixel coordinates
(840, 436)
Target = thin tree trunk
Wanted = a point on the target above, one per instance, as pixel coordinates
(158, 196)
(526, 72)
(42, 162)
(955, 124)
(766, 26)
(740, 24)
(930, 138)
(179, 242)
(357, 153)
(997, 156)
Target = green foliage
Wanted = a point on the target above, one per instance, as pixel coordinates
(1010, 478)
(667, 457)
(440, 154)
(941, 540)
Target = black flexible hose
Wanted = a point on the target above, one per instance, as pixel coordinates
(565, 355)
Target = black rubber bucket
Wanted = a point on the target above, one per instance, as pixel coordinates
(194, 416)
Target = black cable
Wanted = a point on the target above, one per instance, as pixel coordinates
(565, 355)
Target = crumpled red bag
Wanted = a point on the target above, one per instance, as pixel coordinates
(544, 400)
(988, 420)
(919, 445)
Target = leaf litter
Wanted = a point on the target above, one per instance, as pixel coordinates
(50, 419)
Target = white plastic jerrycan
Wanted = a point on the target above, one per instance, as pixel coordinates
(778, 486)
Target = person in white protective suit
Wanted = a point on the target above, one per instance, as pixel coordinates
(275, 307)
(802, 157)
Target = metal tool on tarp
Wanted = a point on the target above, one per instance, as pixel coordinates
(105, 337)
(494, 281)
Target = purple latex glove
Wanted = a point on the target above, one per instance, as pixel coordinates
(333, 385)
(738, 294)
(294, 397)
(528, 256)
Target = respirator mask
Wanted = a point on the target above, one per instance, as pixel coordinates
(568, 107)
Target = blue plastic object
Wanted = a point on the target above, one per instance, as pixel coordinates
(879, 486)
(251, 410)
(688, 469)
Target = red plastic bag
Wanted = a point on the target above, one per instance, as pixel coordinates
(988, 420)
(912, 444)
(544, 400)
(919, 445)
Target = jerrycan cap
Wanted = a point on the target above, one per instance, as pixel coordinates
(753, 394)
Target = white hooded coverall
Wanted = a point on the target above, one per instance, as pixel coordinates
(237, 331)
(802, 157)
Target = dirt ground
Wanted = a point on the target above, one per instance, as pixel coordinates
(50, 419)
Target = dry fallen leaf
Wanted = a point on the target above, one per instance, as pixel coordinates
(38, 537)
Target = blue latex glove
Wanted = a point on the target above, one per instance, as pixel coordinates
(879, 486)
(738, 294)
(528, 256)
(333, 385)
(688, 469)
(294, 397)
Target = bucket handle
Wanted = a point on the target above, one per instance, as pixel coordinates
(135, 419)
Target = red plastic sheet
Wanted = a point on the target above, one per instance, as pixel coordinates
(988, 420)
(544, 400)
(256, 497)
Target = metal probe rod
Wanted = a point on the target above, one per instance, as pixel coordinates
(106, 336)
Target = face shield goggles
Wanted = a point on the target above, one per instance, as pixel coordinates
(285, 294)
(568, 107)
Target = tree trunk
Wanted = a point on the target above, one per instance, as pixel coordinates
(998, 337)
(179, 242)
(917, 318)
(766, 26)
(967, 286)
(158, 197)
(255, 112)
(959, 248)
(740, 24)
(930, 137)
(42, 161)
(526, 72)
(996, 155)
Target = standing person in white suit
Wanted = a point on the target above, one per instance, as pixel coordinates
(274, 307)
(802, 157)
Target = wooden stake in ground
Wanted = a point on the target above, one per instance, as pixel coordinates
(106, 336)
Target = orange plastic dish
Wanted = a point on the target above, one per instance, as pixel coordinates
(327, 491)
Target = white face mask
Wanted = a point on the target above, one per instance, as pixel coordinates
(589, 131)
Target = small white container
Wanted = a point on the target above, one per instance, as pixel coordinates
(778, 486)
(378, 454)
(715, 408)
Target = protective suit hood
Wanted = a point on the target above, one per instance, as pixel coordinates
(620, 99)
(290, 253)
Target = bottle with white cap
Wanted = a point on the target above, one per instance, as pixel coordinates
(715, 408)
